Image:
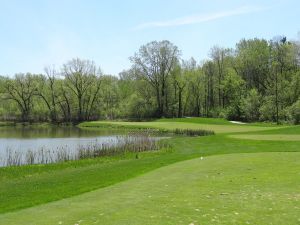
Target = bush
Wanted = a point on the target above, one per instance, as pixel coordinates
(139, 108)
(251, 105)
(294, 112)
(267, 110)
(233, 112)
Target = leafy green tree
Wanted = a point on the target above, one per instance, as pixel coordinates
(154, 63)
(252, 63)
(220, 57)
(258, 80)
(282, 65)
(209, 71)
(195, 96)
(233, 86)
(110, 96)
(180, 76)
(251, 105)
(294, 112)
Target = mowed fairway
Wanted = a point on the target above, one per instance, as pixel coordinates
(258, 188)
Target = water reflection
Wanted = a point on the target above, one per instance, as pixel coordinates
(29, 132)
(15, 142)
(42, 145)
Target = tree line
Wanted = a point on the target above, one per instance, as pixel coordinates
(258, 80)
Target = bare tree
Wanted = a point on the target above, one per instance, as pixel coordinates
(65, 103)
(48, 91)
(21, 89)
(81, 78)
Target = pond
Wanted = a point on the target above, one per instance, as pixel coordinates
(43, 145)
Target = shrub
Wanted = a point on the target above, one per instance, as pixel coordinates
(251, 105)
(294, 112)
(233, 112)
(267, 110)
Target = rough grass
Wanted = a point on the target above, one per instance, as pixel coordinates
(260, 188)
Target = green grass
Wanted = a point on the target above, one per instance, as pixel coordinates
(268, 137)
(23, 187)
(6, 123)
(217, 128)
(26, 186)
(218, 121)
(285, 130)
(260, 188)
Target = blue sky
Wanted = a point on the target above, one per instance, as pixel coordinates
(37, 33)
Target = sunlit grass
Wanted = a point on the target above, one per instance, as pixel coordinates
(217, 128)
(268, 137)
(260, 188)
(29, 186)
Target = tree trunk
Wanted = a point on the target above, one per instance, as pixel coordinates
(180, 103)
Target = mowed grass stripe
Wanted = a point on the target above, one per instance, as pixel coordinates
(258, 188)
(268, 137)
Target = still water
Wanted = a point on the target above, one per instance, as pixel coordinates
(19, 140)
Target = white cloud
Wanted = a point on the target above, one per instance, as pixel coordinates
(200, 18)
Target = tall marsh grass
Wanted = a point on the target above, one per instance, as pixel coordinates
(193, 132)
(122, 145)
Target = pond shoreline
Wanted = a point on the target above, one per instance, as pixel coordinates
(21, 145)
